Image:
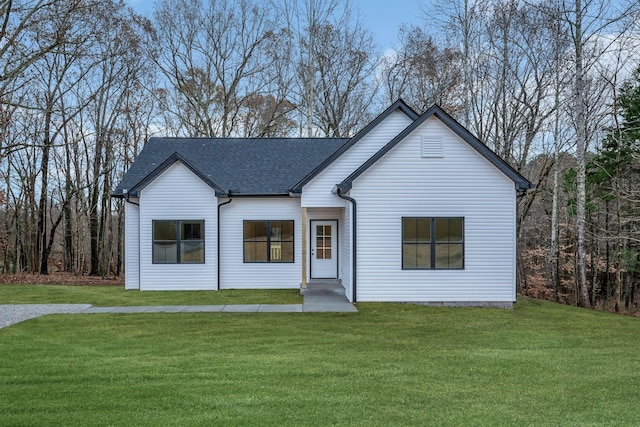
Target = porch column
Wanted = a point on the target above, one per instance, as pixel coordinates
(303, 282)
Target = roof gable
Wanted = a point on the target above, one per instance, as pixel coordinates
(463, 133)
(398, 105)
(170, 161)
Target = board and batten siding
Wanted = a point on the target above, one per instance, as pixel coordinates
(131, 246)
(317, 192)
(235, 273)
(460, 183)
(178, 194)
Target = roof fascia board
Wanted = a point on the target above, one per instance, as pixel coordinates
(462, 132)
(175, 157)
(398, 105)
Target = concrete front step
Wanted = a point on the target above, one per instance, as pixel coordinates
(326, 295)
(323, 289)
(325, 282)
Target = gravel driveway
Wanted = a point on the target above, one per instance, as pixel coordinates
(15, 313)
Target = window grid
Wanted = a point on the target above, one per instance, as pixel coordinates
(323, 242)
(178, 241)
(268, 241)
(432, 243)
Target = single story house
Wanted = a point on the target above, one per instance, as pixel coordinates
(412, 208)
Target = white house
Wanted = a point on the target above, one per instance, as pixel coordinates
(413, 208)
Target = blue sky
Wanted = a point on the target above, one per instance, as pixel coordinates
(381, 17)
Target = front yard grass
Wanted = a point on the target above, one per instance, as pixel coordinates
(388, 364)
(108, 296)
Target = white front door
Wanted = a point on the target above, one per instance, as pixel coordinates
(324, 249)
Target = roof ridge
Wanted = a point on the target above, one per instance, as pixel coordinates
(290, 138)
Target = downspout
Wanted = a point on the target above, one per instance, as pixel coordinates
(126, 199)
(218, 236)
(338, 192)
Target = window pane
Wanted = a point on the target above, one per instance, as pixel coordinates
(276, 251)
(442, 229)
(276, 232)
(287, 230)
(456, 230)
(409, 229)
(449, 255)
(319, 230)
(255, 230)
(286, 253)
(255, 251)
(164, 230)
(165, 253)
(456, 256)
(249, 232)
(191, 251)
(424, 229)
(409, 256)
(192, 230)
(423, 256)
(442, 256)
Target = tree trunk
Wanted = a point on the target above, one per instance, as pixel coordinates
(581, 147)
(41, 234)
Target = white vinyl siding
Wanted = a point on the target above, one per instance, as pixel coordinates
(131, 246)
(462, 184)
(317, 192)
(178, 194)
(237, 274)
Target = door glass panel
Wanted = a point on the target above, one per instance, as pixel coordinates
(323, 242)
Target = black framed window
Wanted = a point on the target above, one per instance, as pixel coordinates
(432, 243)
(178, 242)
(268, 241)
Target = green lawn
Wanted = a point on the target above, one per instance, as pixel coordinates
(389, 364)
(108, 296)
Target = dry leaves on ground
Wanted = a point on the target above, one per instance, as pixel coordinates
(59, 278)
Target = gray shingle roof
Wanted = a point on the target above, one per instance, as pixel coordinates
(276, 166)
(246, 166)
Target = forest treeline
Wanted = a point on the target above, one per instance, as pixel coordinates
(552, 86)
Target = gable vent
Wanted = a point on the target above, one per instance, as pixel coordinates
(431, 146)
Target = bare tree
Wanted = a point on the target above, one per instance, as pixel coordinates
(214, 54)
(344, 64)
(422, 73)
